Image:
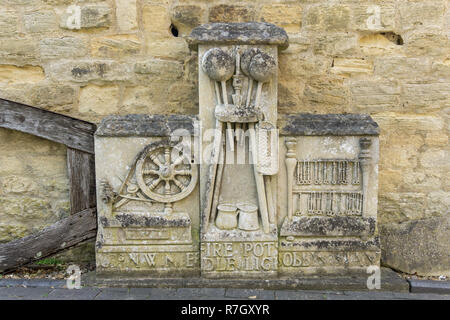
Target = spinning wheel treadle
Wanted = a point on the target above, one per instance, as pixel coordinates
(165, 174)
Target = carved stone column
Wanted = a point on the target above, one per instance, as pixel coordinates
(364, 160)
(291, 161)
(238, 70)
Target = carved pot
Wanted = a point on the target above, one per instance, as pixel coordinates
(226, 216)
(248, 217)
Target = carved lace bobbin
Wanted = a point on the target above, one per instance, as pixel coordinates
(291, 162)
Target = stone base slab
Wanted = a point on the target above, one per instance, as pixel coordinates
(390, 281)
(153, 262)
(326, 262)
(429, 286)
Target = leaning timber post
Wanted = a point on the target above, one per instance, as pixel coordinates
(81, 225)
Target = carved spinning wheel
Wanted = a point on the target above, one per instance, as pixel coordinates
(165, 174)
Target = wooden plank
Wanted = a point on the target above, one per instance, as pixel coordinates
(74, 133)
(81, 168)
(62, 235)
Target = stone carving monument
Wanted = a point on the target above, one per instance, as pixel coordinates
(237, 192)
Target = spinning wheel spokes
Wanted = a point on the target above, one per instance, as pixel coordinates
(167, 156)
(161, 167)
(150, 171)
(178, 160)
(154, 184)
(179, 184)
(167, 187)
(183, 172)
(155, 159)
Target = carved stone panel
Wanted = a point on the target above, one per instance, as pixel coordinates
(327, 194)
(148, 197)
(238, 80)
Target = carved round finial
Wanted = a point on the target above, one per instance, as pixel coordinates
(365, 143)
(291, 144)
(218, 64)
(262, 67)
(246, 58)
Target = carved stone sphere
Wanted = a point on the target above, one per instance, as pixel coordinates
(218, 64)
(246, 58)
(262, 67)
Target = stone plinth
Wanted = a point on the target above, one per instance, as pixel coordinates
(147, 197)
(238, 82)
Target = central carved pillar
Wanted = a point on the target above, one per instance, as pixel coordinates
(238, 66)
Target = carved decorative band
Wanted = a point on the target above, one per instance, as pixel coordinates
(340, 172)
(329, 202)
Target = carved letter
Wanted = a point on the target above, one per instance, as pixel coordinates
(150, 258)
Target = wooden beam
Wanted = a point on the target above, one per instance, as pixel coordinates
(62, 235)
(74, 133)
(81, 169)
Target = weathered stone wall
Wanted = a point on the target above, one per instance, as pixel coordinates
(88, 59)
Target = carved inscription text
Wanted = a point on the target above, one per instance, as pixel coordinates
(239, 256)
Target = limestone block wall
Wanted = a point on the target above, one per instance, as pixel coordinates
(92, 58)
